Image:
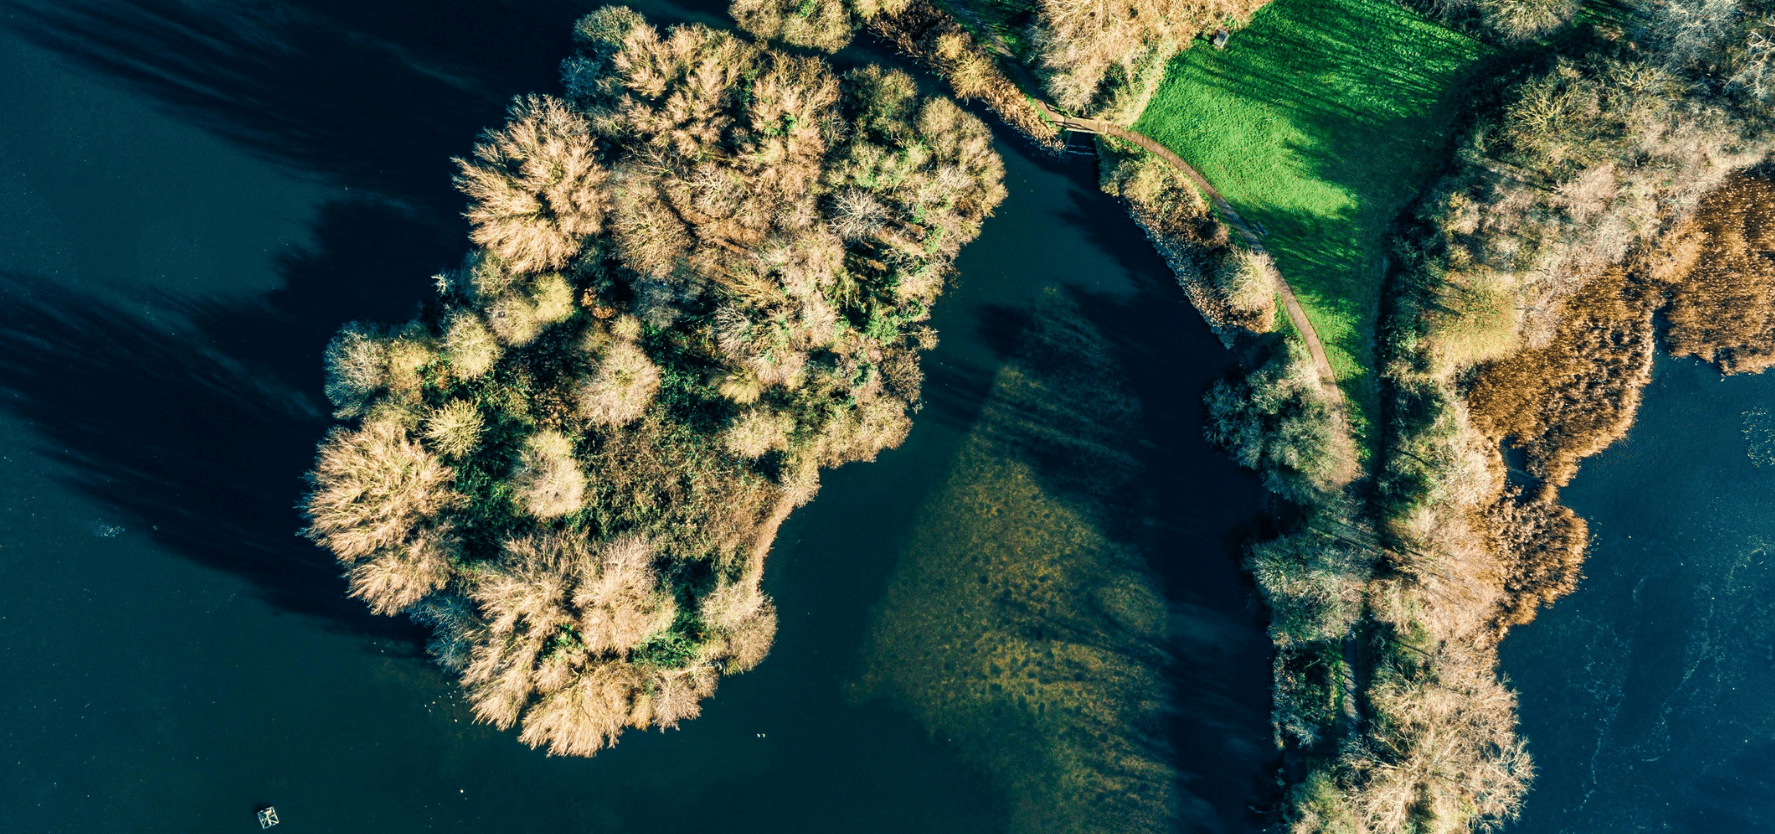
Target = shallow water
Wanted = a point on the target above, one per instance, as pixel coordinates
(194, 197)
(1646, 694)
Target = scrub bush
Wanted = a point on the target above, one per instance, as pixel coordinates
(694, 275)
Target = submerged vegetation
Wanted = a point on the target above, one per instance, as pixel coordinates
(1022, 624)
(699, 279)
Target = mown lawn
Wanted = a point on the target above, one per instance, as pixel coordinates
(1320, 121)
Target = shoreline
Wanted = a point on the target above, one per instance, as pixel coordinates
(1428, 625)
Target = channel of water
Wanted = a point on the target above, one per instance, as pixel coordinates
(194, 196)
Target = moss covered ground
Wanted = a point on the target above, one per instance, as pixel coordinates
(1320, 121)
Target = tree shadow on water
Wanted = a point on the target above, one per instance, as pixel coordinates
(198, 431)
(376, 96)
(193, 419)
(1118, 427)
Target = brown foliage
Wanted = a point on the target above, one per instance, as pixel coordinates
(1541, 264)
(548, 482)
(1574, 397)
(931, 35)
(373, 487)
(1091, 48)
(652, 473)
(376, 503)
(1723, 308)
(820, 24)
(1542, 542)
(1232, 289)
(536, 186)
(621, 387)
(558, 619)
(1443, 756)
(699, 280)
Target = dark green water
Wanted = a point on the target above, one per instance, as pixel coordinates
(1648, 695)
(193, 197)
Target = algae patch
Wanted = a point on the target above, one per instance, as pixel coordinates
(1018, 626)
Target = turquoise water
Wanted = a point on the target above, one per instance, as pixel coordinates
(193, 197)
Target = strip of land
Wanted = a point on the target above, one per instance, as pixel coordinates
(1296, 314)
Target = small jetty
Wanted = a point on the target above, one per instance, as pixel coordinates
(267, 817)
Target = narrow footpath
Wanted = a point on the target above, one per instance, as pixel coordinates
(1296, 315)
(1348, 677)
(1032, 91)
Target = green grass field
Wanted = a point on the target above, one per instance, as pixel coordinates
(1320, 121)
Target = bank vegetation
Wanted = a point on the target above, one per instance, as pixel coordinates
(1526, 284)
(1609, 182)
(700, 277)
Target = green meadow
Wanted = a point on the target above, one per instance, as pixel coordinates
(1320, 121)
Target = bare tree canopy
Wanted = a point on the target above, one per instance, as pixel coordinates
(700, 279)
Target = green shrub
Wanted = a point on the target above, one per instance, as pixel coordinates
(1276, 421)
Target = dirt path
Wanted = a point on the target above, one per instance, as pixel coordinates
(1032, 88)
(1296, 315)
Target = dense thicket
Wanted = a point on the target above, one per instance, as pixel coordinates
(1232, 287)
(1106, 57)
(973, 71)
(1097, 57)
(820, 24)
(699, 279)
(1527, 281)
(1723, 280)
(1507, 21)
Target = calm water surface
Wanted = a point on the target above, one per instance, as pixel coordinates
(1648, 695)
(193, 197)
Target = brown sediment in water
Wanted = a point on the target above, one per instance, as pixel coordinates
(1019, 626)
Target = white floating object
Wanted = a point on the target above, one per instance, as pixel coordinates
(268, 817)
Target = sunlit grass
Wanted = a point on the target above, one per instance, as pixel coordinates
(1320, 121)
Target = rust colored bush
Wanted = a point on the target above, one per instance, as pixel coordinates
(1575, 396)
(1542, 545)
(1723, 309)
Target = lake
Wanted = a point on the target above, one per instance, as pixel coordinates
(1645, 693)
(195, 196)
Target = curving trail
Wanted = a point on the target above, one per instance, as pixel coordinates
(1296, 315)
(1031, 88)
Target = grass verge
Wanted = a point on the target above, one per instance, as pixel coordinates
(1320, 121)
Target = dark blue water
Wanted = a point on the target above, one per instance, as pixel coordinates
(193, 197)
(1648, 695)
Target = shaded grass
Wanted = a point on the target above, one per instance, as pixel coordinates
(1007, 20)
(1320, 121)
